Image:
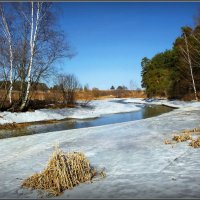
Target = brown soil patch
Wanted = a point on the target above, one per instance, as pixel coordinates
(25, 124)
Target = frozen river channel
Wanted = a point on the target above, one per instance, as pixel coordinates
(144, 111)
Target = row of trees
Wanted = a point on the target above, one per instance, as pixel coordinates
(30, 44)
(132, 86)
(119, 87)
(17, 86)
(175, 73)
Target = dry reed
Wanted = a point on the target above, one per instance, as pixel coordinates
(64, 171)
(168, 142)
(186, 135)
(195, 143)
(182, 138)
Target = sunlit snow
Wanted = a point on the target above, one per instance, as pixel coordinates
(138, 164)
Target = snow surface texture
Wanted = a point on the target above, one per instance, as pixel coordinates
(138, 164)
(96, 109)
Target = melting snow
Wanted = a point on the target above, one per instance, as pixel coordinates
(137, 162)
(96, 109)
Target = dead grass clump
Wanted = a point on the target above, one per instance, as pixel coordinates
(196, 131)
(64, 171)
(195, 143)
(168, 142)
(186, 135)
(192, 131)
(182, 138)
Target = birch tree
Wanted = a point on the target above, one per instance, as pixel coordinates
(33, 36)
(30, 52)
(7, 33)
(47, 45)
(187, 53)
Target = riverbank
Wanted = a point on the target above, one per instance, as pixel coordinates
(138, 164)
(95, 109)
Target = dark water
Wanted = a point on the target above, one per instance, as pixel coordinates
(146, 111)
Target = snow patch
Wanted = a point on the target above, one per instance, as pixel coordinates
(96, 109)
(165, 102)
(137, 162)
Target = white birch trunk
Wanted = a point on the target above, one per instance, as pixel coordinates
(32, 46)
(190, 65)
(11, 74)
(9, 38)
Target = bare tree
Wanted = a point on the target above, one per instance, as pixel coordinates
(47, 44)
(132, 85)
(86, 87)
(7, 33)
(33, 36)
(33, 48)
(68, 84)
(186, 53)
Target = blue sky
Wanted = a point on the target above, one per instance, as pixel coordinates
(111, 38)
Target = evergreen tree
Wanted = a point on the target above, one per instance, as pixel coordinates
(158, 74)
(112, 87)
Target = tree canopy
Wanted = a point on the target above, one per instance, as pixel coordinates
(174, 72)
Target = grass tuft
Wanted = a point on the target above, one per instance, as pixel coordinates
(186, 135)
(64, 171)
(182, 138)
(195, 143)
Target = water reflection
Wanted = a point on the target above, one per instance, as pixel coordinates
(152, 111)
(146, 111)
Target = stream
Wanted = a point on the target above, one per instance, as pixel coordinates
(146, 111)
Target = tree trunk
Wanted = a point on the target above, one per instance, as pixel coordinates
(32, 46)
(190, 66)
(11, 74)
(9, 38)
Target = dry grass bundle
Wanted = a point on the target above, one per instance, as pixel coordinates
(196, 131)
(193, 131)
(195, 143)
(64, 171)
(187, 135)
(168, 142)
(182, 138)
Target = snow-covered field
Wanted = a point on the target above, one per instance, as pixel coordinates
(137, 162)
